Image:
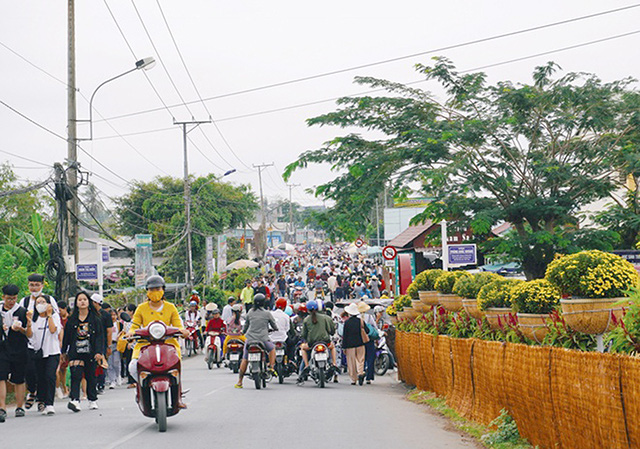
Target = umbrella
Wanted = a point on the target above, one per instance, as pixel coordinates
(277, 253)
(286, 246)
(242, 263)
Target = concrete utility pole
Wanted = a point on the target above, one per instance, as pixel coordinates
(263, 224)
(293, 231)
(187, 195)
(72, 149)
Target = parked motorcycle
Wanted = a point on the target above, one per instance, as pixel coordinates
(158, 390)
(257, 358)
(191, 342)
(214, 350)
(384, 360)
(235, 348)
(320, 368)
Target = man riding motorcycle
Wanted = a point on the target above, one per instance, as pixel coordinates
(316, 328)
(156, 309)
(193, 315)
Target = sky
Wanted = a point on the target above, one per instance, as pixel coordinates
(232, 46)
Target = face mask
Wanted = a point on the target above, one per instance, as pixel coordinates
(155, 296)
(41, 308)
(36, 294)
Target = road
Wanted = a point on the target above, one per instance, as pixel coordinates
(280, 417)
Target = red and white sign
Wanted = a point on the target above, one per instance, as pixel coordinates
(359, 242)
(389, 252)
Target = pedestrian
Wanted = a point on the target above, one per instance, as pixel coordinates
(114, 361)
(61, 375)
(45, 339)
(107, 323)
(246, 295)
(15, 330)
(82, 347)
(353, 344)
(227, 310)
(370, 346)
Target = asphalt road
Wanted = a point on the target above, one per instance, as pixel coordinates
(280, 417)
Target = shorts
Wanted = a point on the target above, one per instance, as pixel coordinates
(269, 346)
(13, 368)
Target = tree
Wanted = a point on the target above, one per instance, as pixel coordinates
(157, 208)
(528, 154)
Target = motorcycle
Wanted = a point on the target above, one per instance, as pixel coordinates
(191, 342)
(320, 368)
(384, 360)
(297, 294)
(235, 348)
(257, 358)
(214, 350)
(158, 390)
(284, 367)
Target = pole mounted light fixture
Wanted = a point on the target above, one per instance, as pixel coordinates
(144, 64)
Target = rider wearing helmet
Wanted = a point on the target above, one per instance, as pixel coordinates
(194, 297)
(192, 315)
(282, 321)
(316, 328)
(256, 330)
(156, 309)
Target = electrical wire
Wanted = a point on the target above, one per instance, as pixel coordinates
(25, 158)
(400, 58)
(34, 65)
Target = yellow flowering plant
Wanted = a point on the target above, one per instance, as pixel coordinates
(412, 290)
(539, 296)
(391, 310)
(444, 284)
(592, 274)
(469, 286)
(426, 279)
(497, 293)
(401, 302)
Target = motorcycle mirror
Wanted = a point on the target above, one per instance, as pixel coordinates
(124, 316)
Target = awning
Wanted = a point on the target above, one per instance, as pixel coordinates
(407, 236)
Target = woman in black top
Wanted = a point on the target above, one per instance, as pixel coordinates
(82, 345)
(353, 345)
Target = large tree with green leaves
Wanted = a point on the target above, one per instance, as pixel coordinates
(157, 208)
(528, 154)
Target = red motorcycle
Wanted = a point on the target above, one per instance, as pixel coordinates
(159, 390)
(191, 342)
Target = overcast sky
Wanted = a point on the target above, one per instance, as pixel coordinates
(231, 46)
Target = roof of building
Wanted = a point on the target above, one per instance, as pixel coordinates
(406, 237)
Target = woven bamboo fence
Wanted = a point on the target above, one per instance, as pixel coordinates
(560, 399)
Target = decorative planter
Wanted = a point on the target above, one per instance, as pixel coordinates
(533, 325)
(591, 315)
(401, 315)
(471, 307)
(416, 305)
(394, 319)
(410, 313)
(497, 316)
(452, 303)
(429, 298)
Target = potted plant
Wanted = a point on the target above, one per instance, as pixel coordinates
(444, 284)
(393, 314)
(468, 288)
(425, 281)
(412, 291)
(593, 282)
(495, 300)
(533, 302)
(403, 306)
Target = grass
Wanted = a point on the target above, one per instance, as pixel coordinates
(471, 428)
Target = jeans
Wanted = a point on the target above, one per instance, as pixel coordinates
(369, 359)
(89, 372)
(46, 369)
(114, 365)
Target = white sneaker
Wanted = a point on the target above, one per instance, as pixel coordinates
(49, 410)
(112, 385)
(93, 405)
(74, 406)
(59, 394)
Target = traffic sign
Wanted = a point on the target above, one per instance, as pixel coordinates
(105, 253)
(359, 242)
(87, 272)
(389, 252)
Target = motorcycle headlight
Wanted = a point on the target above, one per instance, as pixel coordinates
(157, 330)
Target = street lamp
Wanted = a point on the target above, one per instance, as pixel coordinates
(144, 64)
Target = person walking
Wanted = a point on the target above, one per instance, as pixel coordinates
(115, 359)
(370, 346)
(353, 344)
(45, 340)
(82, 346)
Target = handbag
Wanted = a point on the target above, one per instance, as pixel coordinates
(39, 354)
(372, 332)
(363, 332)
(121, 344)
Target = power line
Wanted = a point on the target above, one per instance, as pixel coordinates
(33, 121)
(25, 158)
(34, 66)
(400, 58)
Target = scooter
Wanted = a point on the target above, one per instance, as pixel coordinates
(257, 357)
(284, 367)
(158, 390)
(320, 369)
(191, 342)
(384, 360)
(298, 294)
(235, 348)
(214, 350)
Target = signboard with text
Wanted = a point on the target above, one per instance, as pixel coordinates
(105, 253)
(144, 258)
(222, 252)
(465, 254)
(87, 272)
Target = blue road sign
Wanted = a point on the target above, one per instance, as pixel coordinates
(87, 272)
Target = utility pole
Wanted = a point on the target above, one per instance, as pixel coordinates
(187, 195)
(293, 231)
(72, 150)
(378, 222)
(263, 224)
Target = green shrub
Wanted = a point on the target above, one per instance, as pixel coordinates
(497, 293)
(539, 296)
(444, 284)
(469, 286)
(412, 290)
(425, 281)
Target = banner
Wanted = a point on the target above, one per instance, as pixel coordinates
(222, 253)
(209, 256)
(144, 262)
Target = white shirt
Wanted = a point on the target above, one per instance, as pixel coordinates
(192, 316)
(32, 305)
(50, 344)
(227, 313)
(7, 315)
(283, 322)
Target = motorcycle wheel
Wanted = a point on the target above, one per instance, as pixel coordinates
(280, 371)
(161, 411)
(381, 364)
(321, 379)
(210, 358)
(235, 368)
(188, 346)
(257, 379)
